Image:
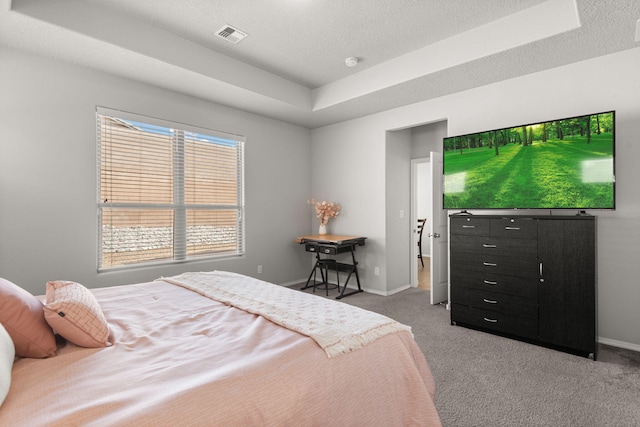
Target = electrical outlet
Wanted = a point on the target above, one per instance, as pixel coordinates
(259, 269)
(401, 214)
(376, 271)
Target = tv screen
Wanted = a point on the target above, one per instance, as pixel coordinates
(559, 164)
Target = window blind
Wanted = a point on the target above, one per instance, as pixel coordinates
(166, 192)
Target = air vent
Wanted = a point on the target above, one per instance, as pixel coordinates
(231, 34)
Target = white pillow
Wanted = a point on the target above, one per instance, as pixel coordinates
(7, 354)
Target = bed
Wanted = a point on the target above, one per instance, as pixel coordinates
(192, 350)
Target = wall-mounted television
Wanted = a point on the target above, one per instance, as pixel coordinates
(559, 164)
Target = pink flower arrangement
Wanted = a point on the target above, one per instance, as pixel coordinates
(325, 210)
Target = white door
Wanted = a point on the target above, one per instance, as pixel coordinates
(438, 235)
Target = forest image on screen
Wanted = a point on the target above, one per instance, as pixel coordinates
(560, 164)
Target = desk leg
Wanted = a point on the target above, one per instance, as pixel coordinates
(312, 274)
(354, 269)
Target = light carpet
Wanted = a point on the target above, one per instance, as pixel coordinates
(486, 380)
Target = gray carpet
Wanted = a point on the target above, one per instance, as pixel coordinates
(485, 380)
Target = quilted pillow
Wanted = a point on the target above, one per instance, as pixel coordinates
(7, 354)
(74, 313)
(22, 317)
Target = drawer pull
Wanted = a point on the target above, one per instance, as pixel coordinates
(468, 226)
(489, 264)
(512, 228)
(489, 282)
(486, 245)
(490, 301)
(327, 251)
(486, 319)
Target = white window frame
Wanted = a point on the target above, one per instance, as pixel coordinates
(179, 207)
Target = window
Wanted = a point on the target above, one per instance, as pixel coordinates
(166, 192)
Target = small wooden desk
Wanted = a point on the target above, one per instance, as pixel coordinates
(329, 244)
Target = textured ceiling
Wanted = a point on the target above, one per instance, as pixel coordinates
(307, 41)
(291, 66)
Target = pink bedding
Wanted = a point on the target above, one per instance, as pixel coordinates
(182, 359)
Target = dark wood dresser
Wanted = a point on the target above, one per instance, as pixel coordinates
(526, 277)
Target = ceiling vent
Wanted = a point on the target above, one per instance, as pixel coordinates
(231, 34)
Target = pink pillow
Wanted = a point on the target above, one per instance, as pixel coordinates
(74, 313)
(22, 317)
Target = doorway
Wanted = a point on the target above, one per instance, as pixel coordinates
(426, 202)
(421, 207)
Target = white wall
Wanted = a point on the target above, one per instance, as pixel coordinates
(48, 224)
(427, 138)
(607, 83)
(349, 167)
(398, 207)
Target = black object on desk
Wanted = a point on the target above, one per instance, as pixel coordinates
(332, 245)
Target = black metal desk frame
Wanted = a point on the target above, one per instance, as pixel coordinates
(325, 264)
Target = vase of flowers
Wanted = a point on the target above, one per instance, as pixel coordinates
(325, 211)
(322, 230)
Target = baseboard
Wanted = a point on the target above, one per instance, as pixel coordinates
(620, 344)
(381, 293)
(368, 290)
(400, 289)
(301, 282)
(294, 282)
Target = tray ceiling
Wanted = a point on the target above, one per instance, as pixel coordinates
(291, 66)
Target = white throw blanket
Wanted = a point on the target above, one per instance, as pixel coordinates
(337, 327)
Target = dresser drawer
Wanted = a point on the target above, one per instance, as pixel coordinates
(469, 226)
(523, 326)
(518, 228)
(513, 285)
(495, 245)
(501, 303)
(492, 264)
